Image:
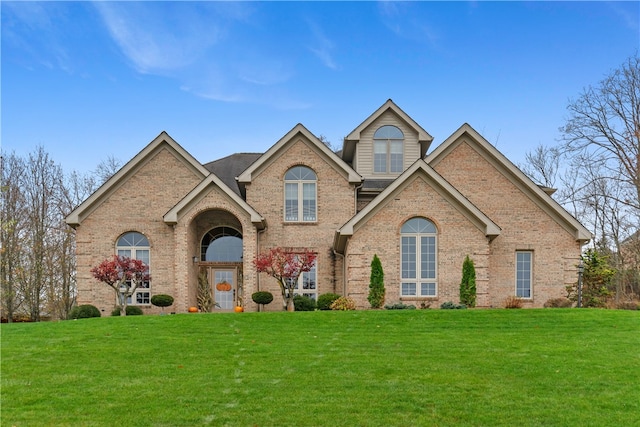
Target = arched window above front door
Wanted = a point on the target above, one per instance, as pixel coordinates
(222, 244)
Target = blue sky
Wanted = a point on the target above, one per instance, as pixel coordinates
(91, 80)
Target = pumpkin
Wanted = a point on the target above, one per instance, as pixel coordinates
(193, 309)
(223, 286)
(238, 309)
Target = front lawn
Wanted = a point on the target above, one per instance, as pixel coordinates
(551, 367)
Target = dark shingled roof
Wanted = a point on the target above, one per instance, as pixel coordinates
(228, 168)
(376, 184)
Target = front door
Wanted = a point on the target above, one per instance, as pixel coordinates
(224, 288)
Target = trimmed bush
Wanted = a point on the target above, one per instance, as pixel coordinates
(450, 305)
(131, 310)
(262, 297)
(302, 303)
(376, 283)
(84, 312)
(325, 301)
(162, 300)
(558, 303)
(400, 306)
(343, 304)
(468, 283)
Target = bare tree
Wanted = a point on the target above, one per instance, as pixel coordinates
(604, 124)
(12, 222)
(542, 165)
(41, 186)
(597, 167)
(106, 169)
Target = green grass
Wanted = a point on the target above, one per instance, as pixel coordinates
(553, 367)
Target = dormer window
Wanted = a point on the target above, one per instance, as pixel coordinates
(388, 142)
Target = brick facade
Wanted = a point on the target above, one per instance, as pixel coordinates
(465, 187)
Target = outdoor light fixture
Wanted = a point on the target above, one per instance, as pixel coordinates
(194, 259)
(580, 272)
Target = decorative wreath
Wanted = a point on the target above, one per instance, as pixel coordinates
(223, 286)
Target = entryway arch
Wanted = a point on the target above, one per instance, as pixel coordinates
(219, 260)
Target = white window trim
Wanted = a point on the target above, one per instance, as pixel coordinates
(300, 199)
(418, 281)
(133, 299)
(387, 142)
(530, 252)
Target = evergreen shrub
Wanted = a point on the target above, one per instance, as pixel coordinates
(262, 297)
(400, 306)
(303, 303)
(325, 300)
(450, 305)
(84, 311)
(131, 310)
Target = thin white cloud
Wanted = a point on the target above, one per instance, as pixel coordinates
(629, 16)
(210, 49)
(35, 30)
(158, 39)
(401, 19)
(322, 46)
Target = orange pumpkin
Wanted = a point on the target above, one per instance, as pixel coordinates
(238, 309)
(223, 287)
(193, 309)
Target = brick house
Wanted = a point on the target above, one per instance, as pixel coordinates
(381, 194)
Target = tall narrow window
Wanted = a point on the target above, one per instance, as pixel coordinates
(136, 246)
(300, 195)
(523, 274)
(388, 143)
(418, 258)
(307, 284)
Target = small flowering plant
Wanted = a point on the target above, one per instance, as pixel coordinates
(286, 267)
(124, 275)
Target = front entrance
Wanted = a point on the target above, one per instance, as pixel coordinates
(220, 268)
(224, 288)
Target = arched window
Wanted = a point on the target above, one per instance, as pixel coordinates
(136, 246)
(419, 258)
(222, 244)
(388, 143)
(300, 195)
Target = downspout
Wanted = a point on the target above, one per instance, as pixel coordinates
(355, 196)
(344, 272)
(258, 252)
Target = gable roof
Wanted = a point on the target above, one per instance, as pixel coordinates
(200, 191)
(162, 141)
(418, 169)
(272, 154)
(513, 174)
(350, 141)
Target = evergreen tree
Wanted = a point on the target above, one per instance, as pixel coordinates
(376, 284)
(468, 284)
(597, 280)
